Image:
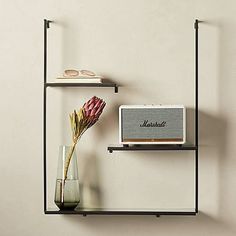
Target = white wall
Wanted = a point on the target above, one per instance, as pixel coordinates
(148, 48)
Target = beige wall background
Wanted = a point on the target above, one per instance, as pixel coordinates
(148, 48)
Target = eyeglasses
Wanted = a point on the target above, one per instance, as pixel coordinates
(75, 73)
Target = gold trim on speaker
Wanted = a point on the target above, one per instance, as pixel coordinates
(153, 140)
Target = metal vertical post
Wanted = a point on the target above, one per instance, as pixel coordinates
(46, 26)
(196, 114)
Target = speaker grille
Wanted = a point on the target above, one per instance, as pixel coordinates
(152, 124)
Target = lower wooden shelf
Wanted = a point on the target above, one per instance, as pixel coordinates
(184, 147)
(123, 211)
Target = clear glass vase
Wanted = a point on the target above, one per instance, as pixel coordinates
(67, 195)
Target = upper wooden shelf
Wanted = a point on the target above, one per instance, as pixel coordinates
(105, 85)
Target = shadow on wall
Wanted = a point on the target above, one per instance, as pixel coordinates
(190, 125)
(90, 182)
(212, 132)
(224, 147)
(110, 119)
(212, 153)
(226, 101)
(90, 179)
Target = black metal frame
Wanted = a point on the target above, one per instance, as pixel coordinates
(84, 211)
(46, 26)
(196, 114)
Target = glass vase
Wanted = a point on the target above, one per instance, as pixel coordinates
(67, 195)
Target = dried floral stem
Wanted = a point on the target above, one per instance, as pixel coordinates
(67, 164)
(68, 159)
(80, 121)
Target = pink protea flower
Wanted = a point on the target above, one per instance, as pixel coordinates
(81, 120)
(93, 109)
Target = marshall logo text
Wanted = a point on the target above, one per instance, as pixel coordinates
(146, 123)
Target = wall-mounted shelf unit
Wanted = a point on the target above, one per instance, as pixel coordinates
(112, 148)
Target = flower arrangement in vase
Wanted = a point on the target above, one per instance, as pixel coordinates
(67, 183)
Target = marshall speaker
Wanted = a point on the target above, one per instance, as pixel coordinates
(152, 124)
